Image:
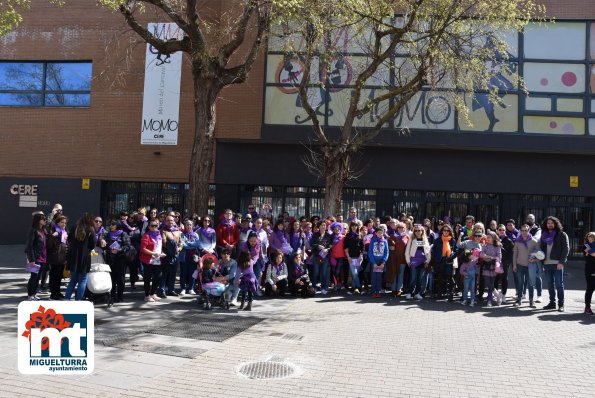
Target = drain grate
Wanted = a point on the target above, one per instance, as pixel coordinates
(293, 337)
(266, 370)
(170, 350)
(211, 327)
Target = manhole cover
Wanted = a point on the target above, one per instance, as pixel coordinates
(266, 370)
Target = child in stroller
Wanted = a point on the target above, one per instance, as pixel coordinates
(214, 284)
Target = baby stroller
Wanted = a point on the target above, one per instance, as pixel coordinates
(99, 283)
(217, 289)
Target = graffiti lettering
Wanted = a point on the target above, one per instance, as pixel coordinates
(435, 109)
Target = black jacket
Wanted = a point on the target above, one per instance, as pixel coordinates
(34, 245)
(79, 252)
(560, 247)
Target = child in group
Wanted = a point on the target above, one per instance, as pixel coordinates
(299, 280)
(469, 271)
(491, 253)
(212, 282)
(377, 254)
(229, 267)
(246, 280)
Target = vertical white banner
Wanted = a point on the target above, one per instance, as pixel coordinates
(161, 100)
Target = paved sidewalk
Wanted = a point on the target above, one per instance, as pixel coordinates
(336, 346)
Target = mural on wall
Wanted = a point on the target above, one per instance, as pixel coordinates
(559, 79)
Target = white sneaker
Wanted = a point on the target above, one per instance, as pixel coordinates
(233, 303)
(408, 296)
(418, 297)
(538, 299)
(33, 298)
(155, 297)
(323, 291)
(182, 293)
(149, 299)
(489, 303)
(192, 292)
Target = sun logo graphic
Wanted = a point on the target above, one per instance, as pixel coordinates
(56, 337)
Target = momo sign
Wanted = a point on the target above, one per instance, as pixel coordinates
(161, 100)
(56, 337)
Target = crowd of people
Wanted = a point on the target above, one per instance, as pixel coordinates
(253, 254)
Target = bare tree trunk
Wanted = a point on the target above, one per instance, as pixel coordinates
(203, 150)
(337, 169)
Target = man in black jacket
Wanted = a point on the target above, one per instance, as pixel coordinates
(554, 243)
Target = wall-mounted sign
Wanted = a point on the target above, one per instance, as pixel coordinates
(573, 181)
(86, 183)
(27, 194)
(161, 100)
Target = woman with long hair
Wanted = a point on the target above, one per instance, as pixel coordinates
(81, 240)
(57, 249)
(36, 250)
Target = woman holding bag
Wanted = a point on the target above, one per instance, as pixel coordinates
(36, 250)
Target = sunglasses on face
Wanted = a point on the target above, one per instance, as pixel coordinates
(153, 226)
(98, 221)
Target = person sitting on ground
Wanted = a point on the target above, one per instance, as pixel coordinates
(276, 280)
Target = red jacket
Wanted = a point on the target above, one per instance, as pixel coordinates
(228, 234)
(146, 243)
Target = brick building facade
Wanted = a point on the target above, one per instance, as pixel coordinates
(56, 147)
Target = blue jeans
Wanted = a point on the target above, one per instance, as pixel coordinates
(376, 281)
(354, 264)
(257, 271)
(397, 283)
(320, 268)
(187, 268)
(538, 283)
(525, 276)
(469, 286)
(80, 281)
(555, 283)
(418, 280)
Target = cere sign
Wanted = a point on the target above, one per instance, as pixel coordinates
(56, 337)
(161, 100)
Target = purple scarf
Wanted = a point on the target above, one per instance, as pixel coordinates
(390, 231)
(403, 236)
(63, 234)
(548, 237)
(512, 234)
(207, 232)
(155, 236)
(524, 242)
(336, 238)
(173, 228)
(100, 231)
(115, 235)
(279, 268)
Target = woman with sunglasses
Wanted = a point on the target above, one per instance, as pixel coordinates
(151, 253)
(207, 236)
(444, 253)
(469, 267)
(507, 251)
(418, 255)
(36, 250)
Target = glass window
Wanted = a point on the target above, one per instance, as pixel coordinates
(52, 84)
(560, 40)
(555, 78)
(592, 78)
(21, 76)
(68, 77)
(569, 105)
(592, 41)
(538, 104)
(591, 126)
(554, 125)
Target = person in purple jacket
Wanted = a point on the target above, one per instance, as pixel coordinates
(377, 254)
